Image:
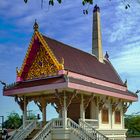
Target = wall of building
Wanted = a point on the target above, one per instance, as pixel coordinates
(95, 113)
(103, 125)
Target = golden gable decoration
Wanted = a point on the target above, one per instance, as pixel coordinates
(42, 66)
(44, 63)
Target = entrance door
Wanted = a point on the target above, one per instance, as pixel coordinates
(74, 112)
(87, 112)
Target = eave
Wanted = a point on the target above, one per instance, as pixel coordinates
(64, 82)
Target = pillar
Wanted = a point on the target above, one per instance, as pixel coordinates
(24, 111)
(122, 116)
(82, 110)
(64, 113)
(111, 116)
(44, 113)
(43, 106)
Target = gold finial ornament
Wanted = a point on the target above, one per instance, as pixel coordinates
(17, 71)
(36, 26)
(62, 61)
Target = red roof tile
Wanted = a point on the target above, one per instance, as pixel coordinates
(82, 62)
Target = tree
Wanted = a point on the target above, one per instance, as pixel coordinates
(84, 3)
(13, 121)
(132, 123)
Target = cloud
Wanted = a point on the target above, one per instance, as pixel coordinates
(10, 49)
(125, 22)
(128, 59)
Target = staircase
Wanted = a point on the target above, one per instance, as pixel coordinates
(32, 134)
(23, 133)
(44, 133)
(96, 135)
(79, 131)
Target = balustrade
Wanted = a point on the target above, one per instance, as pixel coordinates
(22, 133)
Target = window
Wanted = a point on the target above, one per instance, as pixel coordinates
(105, 115)
(117, 116)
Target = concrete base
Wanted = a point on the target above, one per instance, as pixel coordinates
(114, 134)
(62, 134)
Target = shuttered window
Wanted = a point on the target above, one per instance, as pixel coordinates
(117, 116)
(105, 115)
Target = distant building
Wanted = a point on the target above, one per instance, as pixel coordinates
(84, 88)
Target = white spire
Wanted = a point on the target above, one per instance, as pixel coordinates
(96, 35)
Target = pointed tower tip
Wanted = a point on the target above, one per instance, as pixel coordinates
(96, 8)
(35, 27)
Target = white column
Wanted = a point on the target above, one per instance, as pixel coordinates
(99, 115)
(111, 116)
(82, 110)
(122, 116)
(64, 113)
(24, 112)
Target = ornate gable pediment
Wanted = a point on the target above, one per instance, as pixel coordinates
(39, 61)
(42, 65)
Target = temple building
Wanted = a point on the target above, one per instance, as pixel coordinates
(84, 88)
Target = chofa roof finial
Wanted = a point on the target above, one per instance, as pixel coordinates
(36, 25)
(107, 55)
(125, 83)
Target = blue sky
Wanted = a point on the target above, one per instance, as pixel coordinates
(66, 23)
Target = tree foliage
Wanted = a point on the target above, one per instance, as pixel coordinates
(84, 3)
(13, 121)
(132, 123)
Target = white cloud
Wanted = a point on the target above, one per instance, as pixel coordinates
(125, 24)
(10, 49)
(128, 59)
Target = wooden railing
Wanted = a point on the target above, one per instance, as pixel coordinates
(92, 131)
(22, 133)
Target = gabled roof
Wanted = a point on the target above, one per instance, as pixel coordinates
(81, 62)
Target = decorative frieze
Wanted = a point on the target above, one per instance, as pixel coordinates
(20, 102)
(114, 104)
